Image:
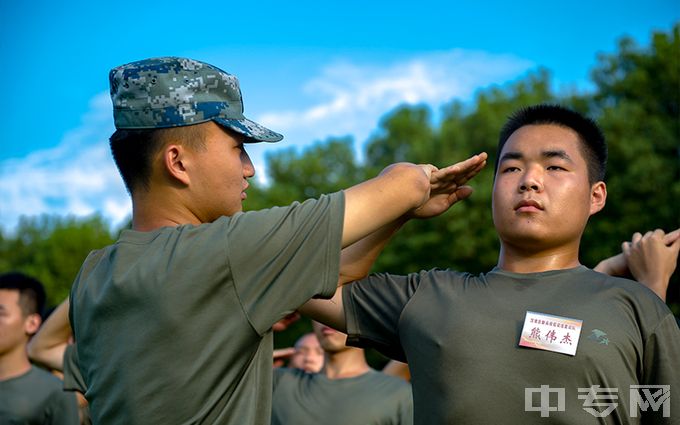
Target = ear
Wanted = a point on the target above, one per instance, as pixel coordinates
(32, 324)
(598, 197)
(175, 159)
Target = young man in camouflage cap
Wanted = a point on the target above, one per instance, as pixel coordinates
(173, 322)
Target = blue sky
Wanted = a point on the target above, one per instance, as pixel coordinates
(310, 70)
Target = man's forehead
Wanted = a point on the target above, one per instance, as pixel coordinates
(538, 140)
(308, 340)
(214, 128)
(9, 296)
(545, 153)
(543, 133)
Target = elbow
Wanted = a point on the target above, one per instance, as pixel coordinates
(419, 184)
(414, 183)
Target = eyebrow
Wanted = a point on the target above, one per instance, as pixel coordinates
(558, 153)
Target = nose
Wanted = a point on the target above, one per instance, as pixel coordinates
(248, 167)
(532, 179)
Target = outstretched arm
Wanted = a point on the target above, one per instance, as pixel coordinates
(49, 344)
(447, 186)
(651, 259)
(402, 189)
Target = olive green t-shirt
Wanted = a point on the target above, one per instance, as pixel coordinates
(173, 326)
(373, 398)
(460, 335)
(36, 398)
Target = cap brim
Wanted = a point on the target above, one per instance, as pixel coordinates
(253, 131)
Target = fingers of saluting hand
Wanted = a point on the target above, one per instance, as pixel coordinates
(460, 172)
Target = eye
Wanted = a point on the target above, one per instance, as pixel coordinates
(556, 168)
(509, 169)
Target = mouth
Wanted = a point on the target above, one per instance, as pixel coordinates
(528, 205)
(328, 331)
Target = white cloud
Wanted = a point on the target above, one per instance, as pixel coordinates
(79, 177)
(351, 98)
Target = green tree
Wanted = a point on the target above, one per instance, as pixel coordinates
(322, 168)
(637, 103)
(404, 135)
(52, 249)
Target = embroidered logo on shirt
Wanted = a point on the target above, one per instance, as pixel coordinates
(599, 336)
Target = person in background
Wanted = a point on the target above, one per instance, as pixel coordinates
(347, 391)
(308, 354)
(28, 394)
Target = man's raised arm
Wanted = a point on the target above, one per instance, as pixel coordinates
(47, 347)
(446, 187)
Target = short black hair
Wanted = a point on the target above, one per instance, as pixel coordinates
(133, 150)
(31, 292)
(593, 144)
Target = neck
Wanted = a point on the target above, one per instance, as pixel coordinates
(347, 363)
(520, 260)
(14, 363)
(151, 210)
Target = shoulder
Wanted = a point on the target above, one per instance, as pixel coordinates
(44, 377)
(635, 289)
(389, 383)
(285, 375)
(432, 276)
(636, 295)
(45, 386)
(298, 214)
(327, 201)
(289, 372)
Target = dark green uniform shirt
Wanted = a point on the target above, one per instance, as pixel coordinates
(173, 326)
(460, 335)
(36, 398)
(373, 398)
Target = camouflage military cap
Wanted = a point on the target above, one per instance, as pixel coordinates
(171, 92)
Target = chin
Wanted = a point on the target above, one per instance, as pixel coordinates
(526, 239)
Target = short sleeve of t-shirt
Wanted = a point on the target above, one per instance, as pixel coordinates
(62, 408)
(373, 307)
(73, 380)
(281, 257)
(660, 361)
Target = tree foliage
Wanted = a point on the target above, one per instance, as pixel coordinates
(52, 248)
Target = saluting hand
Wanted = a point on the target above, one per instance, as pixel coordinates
(447, 185)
